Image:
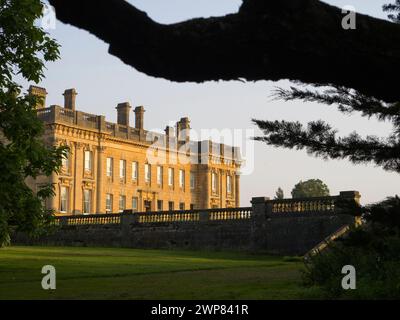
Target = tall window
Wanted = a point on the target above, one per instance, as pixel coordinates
(182, 206)
(110, 165)
(159, 175)
(88, 160)
(171, 177)
(182, 179)
(122, 169)
(159, 205)
(64, 200)
(170, 205)
(135, 167)
(134, 203)
(65, 162)
(192, 180)
(109, 203)
(229, 184)
(87, 201)
(214, 182)
(147, 173)
(122, 203)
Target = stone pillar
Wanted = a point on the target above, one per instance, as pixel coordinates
(69, 99)
(123, 110)
(208, 188)
(352, 195)
(78, 175)
(100, 174)
(40, 94)
(222, 188)
(204, 216)
(258, 223)
(54, 200)
(139, 117)
(237, 190)
(101, 120)
(183, 130)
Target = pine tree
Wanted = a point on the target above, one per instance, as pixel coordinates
(393, 7)
(321, 140)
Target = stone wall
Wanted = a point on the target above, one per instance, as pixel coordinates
(255, 229)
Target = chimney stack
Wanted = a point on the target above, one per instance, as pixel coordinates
(183, 129)
(39, 93)
(69, 99)
(123, 110)
(139, 117)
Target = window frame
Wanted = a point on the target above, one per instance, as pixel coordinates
(171, 178)
(123, 198)
(122, 169)
(66, 199)
(182, 177)
(109, 167)
(87, 192)
(160, 172)
(147, 173)
(109, 198)
(88, 160)
(135, 199)
(135, 171)
(192, 180)
(214, 182)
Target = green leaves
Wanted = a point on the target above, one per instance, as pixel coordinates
(24, 49)
(310, 188)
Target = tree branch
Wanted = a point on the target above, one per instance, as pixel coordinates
(347, 100)
(320, 140)
(300, 40)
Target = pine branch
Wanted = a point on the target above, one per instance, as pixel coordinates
(348, 101)
(395, 7)
(320, 140)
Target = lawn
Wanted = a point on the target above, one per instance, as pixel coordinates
(109, 273)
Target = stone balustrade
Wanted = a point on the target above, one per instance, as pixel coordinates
(262, 207)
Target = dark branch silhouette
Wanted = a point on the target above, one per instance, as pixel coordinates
(320, 140)
(300, 40)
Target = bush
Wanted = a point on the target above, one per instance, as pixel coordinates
(373, 249)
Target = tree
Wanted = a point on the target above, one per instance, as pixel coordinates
(310, 188)
(23, 50)
(321, 140)
(300, 40)
(279, 194)
(393, 8)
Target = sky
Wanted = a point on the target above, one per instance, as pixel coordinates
(103, 81)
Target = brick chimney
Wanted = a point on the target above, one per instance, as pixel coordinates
(69, 99)
(139, 117)
(41, 94)
(123, 110)
(183, 129)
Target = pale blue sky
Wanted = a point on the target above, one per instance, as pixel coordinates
(103, 81)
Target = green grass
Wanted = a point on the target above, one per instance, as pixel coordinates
(109, 273)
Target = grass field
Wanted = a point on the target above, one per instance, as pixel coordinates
(102, 273)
